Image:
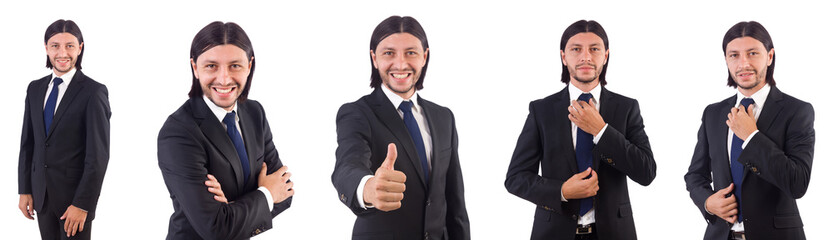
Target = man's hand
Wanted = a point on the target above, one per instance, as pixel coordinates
(742, 121)
(215, 188)
(586, 117)
(278, 183)
(577, 187)
(386, 189)
(27, 206)
(74, 220)
(722, 206)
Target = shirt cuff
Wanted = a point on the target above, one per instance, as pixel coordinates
(360, 192)
(268, 195)
(599, 136)
(707, 210)
(562, 196)
(748, 138)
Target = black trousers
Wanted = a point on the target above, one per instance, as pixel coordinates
(52, 227)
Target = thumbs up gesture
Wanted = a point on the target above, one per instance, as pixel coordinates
(386, 188)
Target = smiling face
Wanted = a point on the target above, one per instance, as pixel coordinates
(63, 50)
(399, 58)
(222, 71)
(747, 60)
(585, 56)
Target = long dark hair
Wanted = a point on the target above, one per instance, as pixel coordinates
(215, 34)
(754, 30)
(390, 26)
(64, 26)
(583, 26)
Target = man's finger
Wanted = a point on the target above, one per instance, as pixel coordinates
(81, 227)
(263, 170)
(751, 111)
(390, 159)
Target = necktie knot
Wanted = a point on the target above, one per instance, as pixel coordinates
(57, 81)
(585, 97)
(746, 102)
(229, 119)
(405, 106)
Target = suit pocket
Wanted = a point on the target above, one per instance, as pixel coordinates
(625, 210)
(542, 215)
(791, 221)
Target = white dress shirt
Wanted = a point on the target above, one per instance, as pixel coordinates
(590, 216)
(419, 115)
(760, 99)
(62, 88)
(220, 113)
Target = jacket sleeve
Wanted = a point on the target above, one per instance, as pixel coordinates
(522, 178)
(457, 219)
(97, 150)
(272, 159)
(352, 155)
(786, 165)
(182, 160)
(698, 179)
(27, 147)
(628, 151)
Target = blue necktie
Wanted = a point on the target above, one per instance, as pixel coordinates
(584, 155)
(413, 129)
(231, 129)
(737, 168)
(51, 103)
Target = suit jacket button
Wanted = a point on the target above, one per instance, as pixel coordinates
(428, 203)
(47, 144)
(426, 235)
(343, 199)
(45, 166)
(574, 217)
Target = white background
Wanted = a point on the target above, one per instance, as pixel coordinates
(488, 60)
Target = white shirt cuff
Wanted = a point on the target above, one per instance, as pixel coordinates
(360, 192)
(562, 196)
(599, 136)
(268, 195)
(748, 138)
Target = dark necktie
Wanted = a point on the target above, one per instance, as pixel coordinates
(51, 103)
(413, 129)
(737, 168)
(584, 156)
(231, 129)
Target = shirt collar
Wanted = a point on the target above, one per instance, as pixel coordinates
(759, 96)
(396, 99)
(67, 77)
(219, 112)
(575, 92)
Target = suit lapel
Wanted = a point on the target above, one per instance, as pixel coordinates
(607, 110)
(430, 115)
(248, 129)
(388, 115)
(216, 134)
(722, 135)
(772, 107)
(37, 103)
(75, 86)
(562, 126)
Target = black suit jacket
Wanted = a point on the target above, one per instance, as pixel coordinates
(432, 209)
(68, 165)
(777, 162)
(546, 140)
(192, 144)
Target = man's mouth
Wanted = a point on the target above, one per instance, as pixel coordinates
(400, 75)
(223, 90)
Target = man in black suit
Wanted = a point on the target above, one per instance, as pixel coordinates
(221, 138)
(396, 164)
(65, 144)
(754, 150)
(585, 148)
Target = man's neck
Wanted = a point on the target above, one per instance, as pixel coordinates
(585, 86)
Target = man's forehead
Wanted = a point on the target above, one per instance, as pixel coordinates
(63, 37)
(400, 40)
(585, 38)
(744, 43)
